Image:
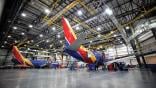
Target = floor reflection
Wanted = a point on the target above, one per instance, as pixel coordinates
(63, 78)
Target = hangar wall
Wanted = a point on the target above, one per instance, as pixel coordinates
(148, 45)
(5, 57)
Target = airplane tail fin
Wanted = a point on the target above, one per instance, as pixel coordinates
(69, 34)
(72, 42)
(20, 58)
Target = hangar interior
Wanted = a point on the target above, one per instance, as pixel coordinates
(122, 30)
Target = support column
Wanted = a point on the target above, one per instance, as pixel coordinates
(116, 53)
(6, 56)
(129, 32)
(132, 42)
(154, 32)
(141, 53)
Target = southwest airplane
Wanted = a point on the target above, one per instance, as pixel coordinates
(20, 60)
(73, 47)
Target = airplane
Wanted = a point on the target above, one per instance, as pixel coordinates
(73, 47)
(21, 61)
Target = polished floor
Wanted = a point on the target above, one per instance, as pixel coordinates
(50, 78)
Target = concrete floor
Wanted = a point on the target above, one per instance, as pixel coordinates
(50, 78)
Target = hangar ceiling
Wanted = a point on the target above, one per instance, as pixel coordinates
(37, 23)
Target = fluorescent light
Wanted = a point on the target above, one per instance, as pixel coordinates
(9, 36)
(32, 40)
(41, 35)
(28, 41)
(112, 32)
(53, 28)
(47, 11)
(14, 27)
(100, 46)
(98, 29)
(50, 45)
(22, 33)
(30, 25)
(15, 41)
(47, 41)
(58, 36)
(5, 42)
(60, 41)
(127, 27)
(115, 35)
(77, 28)
(79, 12)
(23, 14)
(108, 11)
(99, 36)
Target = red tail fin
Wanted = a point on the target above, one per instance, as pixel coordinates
(17, 55)
(68, 31)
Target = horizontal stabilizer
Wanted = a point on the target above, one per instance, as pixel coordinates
(76, 44)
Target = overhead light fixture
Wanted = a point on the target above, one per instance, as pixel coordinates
(53, 28)
(60, 41)
(99, 36)
(32, 40)
(127, 27)
(41, 35)
(79, 12)
(22, 33)
(142, 25)
(30, 26)
(47, 11)
(108, 11)
(15, 27)
(58, 36)
(47, 41)
(2, 46)
(115, 35)
(9, 21)
(9, 36)
(37, 45)
(15, 41)
(112, 32)
(5, 42)
(28, 48)
(28, 41)
(50, 46)
(100, 46)
(90, 41)
(23, 14)
(98, 29)
(77, 28)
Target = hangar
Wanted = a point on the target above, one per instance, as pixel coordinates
(77, 43)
